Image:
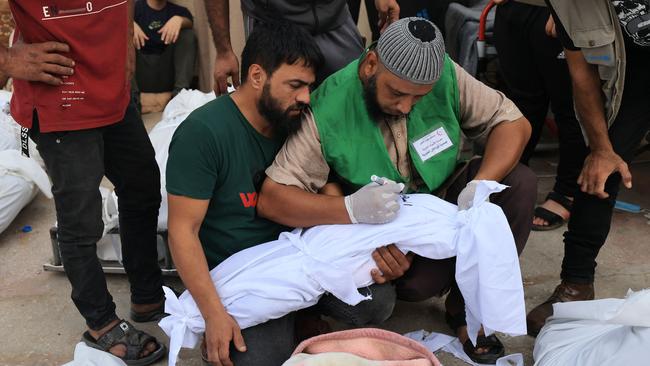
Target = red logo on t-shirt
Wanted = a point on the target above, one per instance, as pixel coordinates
(249, 199)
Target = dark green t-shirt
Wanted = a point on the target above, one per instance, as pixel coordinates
(217, 155)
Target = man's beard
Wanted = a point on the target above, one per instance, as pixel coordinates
(271, 109)
(372, 104)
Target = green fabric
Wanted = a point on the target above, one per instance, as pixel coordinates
(217, 155)
(353, 145)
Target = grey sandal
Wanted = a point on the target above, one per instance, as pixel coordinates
(133, 339)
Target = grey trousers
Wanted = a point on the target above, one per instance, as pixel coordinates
(339, 46)
(171, 70)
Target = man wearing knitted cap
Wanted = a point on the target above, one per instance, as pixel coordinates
(398, 112)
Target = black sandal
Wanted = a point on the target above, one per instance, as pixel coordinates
(554, 220)
(496, 348)
(133, 339)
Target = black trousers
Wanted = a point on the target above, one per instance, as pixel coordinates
(76, 162)
(591, 217)
(535, 76)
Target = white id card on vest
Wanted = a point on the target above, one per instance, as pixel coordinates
(432, 143)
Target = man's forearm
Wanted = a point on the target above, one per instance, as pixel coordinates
(503, 149)
(192, 267)
(589, 100)
(219, 18)
(294, 207)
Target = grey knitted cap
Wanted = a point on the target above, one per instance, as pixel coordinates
(412, 49)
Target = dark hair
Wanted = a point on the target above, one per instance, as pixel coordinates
(272, 44)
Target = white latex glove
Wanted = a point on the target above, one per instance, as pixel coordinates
(373, 203)
(466, 196)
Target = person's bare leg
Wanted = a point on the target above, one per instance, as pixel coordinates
(454, 305)
(554, 207)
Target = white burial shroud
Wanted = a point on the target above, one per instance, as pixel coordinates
(270, 280)
(597, 332)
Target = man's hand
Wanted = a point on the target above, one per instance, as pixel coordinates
(219, 332)
(466, 196)
(373, 203)
(139, 38)
(550, 27)
(598, 166)
(388, 12)
(169, 32)
(41, 62)
(391, 263)
(225, 65)
(499, 2)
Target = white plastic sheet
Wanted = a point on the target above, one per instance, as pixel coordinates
(435, 342)
(597, 332)
(15, 193)
(10, 130)
(272, 279)
(88, 356)
(19, 179)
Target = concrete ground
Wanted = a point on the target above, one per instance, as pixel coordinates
(40, 325)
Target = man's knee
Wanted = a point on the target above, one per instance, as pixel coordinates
(409, 291)
(187, 37)
(523, 183)
(79, 217)
(269, 343)
(78, 250)
(425, 279)
(382, 304)
(374, 311)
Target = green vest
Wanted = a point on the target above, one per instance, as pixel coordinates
(353, 145)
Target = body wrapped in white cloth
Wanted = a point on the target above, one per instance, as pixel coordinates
(272, 279)
(597, 332)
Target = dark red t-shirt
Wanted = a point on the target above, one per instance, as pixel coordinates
(98, 92)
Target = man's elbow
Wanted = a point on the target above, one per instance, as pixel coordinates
(177, 231)
(525, 128)
(266, 200)
(181, 232)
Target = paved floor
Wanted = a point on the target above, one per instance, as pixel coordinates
(40, 325)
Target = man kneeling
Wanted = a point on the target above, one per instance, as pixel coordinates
(216, 165)
(398, 112)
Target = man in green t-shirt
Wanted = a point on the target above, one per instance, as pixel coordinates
(216, 165)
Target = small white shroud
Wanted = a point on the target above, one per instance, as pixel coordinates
(597, 332)
(272, 279)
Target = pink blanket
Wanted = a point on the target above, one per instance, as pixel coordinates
(366, 346)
